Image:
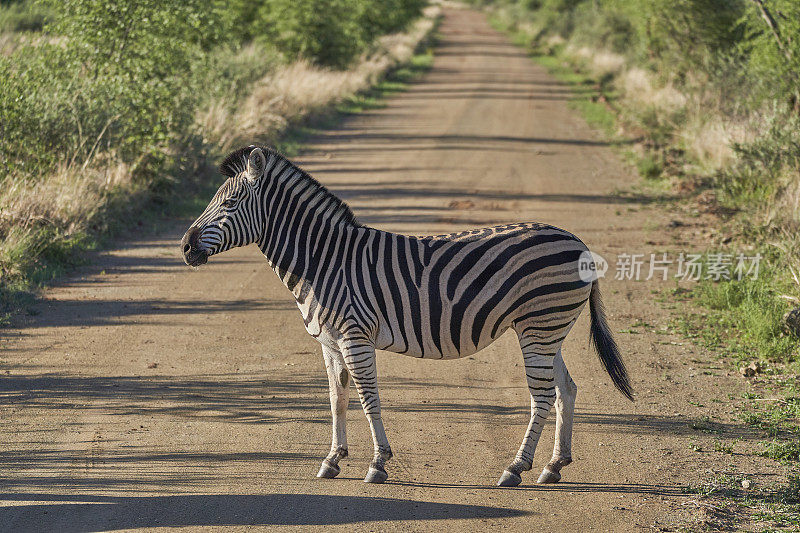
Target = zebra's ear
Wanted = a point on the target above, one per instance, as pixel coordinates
(256, 164)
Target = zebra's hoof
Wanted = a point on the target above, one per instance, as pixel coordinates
(328, 470)
(375, 475)
(509, 479)
(548, 476)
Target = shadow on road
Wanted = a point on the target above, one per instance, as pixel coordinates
(78, 513)
(232, 398)
(563, 486)
(354, 190)
(452, 138)
(253, 398)
(101, 312)
(668, 424)
(265, 398)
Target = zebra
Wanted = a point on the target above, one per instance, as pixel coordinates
(446, 296)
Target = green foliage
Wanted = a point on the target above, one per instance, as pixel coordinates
(684, 33)
(680, 38)
(764, 170)
(751, 313)
(297, 29)
(22, 16)
(773, 45)
(126, 85)
(132, 83)
(330, 32)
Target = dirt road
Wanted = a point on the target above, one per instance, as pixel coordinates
(144, 394)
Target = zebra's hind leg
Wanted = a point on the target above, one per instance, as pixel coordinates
(338, 388)
(360, 361)
(540, 375)
(566, 391)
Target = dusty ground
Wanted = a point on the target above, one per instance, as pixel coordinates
(146, 395)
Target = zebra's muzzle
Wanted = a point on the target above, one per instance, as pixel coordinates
(193, 254)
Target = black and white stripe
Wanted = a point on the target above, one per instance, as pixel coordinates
(447, 296)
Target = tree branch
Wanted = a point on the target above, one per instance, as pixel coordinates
(773, 26)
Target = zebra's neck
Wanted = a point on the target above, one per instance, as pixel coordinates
(304, 224)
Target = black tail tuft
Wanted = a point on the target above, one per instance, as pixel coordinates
(605, 345)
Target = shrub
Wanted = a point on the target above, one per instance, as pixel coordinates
(773, 48)
(126, 84)
(331, 32)
(764, 167)
(24, 15)
(133, 83)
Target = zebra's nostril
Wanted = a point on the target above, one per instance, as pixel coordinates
(187, 248)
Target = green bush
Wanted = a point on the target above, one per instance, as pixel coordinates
(684, 37)
(763, 167)
(773, 46)
(109, 81)
(125, 86)
(22, 15)
(128, 77)
(331, 32)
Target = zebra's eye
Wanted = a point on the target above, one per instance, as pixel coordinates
(229, 203)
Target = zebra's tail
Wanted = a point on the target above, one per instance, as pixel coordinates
(606, 346)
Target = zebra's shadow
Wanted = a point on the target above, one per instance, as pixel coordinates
(564, 486)
(85, 513)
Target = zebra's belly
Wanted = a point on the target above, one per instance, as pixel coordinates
(428, 349)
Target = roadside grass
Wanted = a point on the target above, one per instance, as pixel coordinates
(728, 505)
(740, 320)
(746, 315)
(587, 94)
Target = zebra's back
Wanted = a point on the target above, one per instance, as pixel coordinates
(448, 296)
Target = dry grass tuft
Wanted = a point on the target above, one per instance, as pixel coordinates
(710, 140)
(8, 43)
(554, 40)
(639, 86)
(784, 210)
(605, 63)
(68, 199)
(599, 62)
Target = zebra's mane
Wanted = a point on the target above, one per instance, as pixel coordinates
(236, 163)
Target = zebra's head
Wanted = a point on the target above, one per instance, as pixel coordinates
(233, 217)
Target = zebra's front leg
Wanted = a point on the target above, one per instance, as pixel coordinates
(539, 371)
(338, 388)
(360, 361)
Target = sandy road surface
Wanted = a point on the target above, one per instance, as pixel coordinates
(148, 395)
